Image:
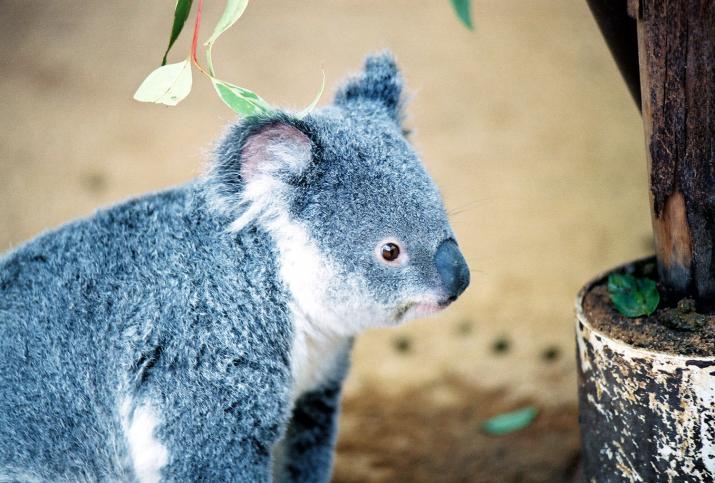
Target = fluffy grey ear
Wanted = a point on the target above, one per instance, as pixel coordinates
(380, 82)
(275, 150)
(254, 167)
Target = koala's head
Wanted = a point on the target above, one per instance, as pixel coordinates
(360, 229)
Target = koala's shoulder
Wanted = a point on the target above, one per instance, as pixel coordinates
(129, 233)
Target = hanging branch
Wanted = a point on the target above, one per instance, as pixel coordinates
(171, 83)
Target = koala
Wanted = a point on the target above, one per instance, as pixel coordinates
(203, 333)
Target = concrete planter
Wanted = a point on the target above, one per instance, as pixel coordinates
(645, 416)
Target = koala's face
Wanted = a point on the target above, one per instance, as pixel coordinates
(363, 236)
(375, 214)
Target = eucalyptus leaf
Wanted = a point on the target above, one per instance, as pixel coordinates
(312, 105)
(181, 13)
(633, 297)
(168, 84)
(463, 10)
(510, 422)
(233, 11)
(242, 101)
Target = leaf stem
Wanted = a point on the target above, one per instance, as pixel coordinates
(195, 41)
(209, 61)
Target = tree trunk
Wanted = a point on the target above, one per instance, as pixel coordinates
(649, 416)
(676, 43)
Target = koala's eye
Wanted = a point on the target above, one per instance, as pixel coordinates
(390, 251)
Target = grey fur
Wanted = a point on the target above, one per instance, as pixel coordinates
(158, 302)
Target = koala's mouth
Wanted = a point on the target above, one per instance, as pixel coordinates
(412, 310)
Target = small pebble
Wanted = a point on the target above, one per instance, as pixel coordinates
(686, 306)
(551, 353)
(501, 345)
(402, 344)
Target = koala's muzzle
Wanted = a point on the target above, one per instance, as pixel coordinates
(452, 269)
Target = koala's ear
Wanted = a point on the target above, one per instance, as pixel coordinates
(254, 166)
(275, 149)
(380, 82)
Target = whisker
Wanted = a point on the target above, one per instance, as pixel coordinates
(466, 207)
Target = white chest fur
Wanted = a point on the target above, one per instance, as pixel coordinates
(315, 356)
(320, 338)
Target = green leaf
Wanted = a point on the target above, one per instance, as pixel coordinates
(242, 101)
(510, 422)
(168, 84)
(633, 297)
(233, 11)
(463, 10)
(312, 105)
(181, 13)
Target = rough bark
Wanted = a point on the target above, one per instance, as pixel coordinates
(676, 40)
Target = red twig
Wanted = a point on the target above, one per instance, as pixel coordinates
(195, 41)
(197, 26)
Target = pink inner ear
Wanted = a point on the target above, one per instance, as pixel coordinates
(273, 147)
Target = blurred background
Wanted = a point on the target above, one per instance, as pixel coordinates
(525, 124)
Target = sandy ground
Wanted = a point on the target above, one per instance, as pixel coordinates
(524, 124)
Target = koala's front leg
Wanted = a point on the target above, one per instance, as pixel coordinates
(202, 440)
(306, 452)
(217, 425)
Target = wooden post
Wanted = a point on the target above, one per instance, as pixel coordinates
(620, 31)
(649, 416)
(676, 44)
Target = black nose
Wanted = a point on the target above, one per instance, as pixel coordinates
(452, 268)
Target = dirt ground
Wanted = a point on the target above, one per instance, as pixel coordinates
(524, 123)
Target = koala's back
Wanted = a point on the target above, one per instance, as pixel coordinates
(111, 309)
